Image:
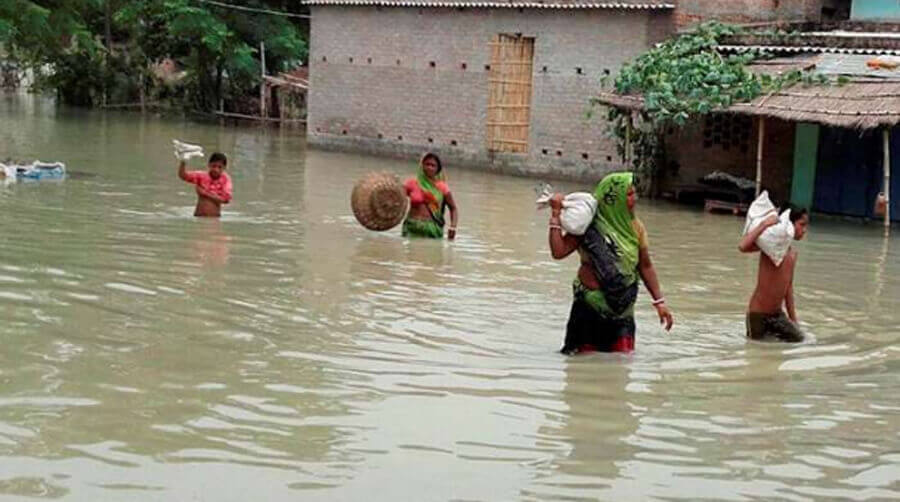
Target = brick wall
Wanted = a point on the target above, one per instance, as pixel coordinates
(748, 11)
(691, 156)
(398, 81)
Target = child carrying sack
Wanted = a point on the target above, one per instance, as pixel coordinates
(775, 240)
(578, 210)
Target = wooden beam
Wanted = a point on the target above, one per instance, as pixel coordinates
(759, 154)
(886, 138)
(628, 142)
(262, 83)
(509, 81)
(258, 118)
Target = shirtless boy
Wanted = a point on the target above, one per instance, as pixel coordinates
(213, 186)
(774, 286)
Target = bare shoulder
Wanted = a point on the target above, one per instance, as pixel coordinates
(792, 256)
(790, 261)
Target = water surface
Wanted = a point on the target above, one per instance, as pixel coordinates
(285, 353)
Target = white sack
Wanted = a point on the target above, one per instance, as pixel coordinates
(776, 240)
(578, 210)
(185, 151)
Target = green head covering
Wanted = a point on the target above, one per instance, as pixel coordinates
(427, 184)
(614, 220)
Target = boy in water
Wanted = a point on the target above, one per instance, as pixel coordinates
(213, 186)
(774, 286)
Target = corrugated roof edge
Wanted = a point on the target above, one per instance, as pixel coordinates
(806, 49)
(489, 5)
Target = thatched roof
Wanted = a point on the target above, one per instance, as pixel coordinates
(865, 102)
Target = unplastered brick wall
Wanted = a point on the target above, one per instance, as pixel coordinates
(748, 11)
(730, 145)
(398, 81)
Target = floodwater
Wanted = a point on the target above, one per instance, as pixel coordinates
(285, 353)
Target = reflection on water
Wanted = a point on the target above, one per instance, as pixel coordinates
(284, 350)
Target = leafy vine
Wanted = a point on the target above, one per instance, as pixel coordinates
(685, 77)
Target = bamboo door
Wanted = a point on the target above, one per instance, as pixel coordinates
(509, 100)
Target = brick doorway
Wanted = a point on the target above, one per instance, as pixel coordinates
(509, 99)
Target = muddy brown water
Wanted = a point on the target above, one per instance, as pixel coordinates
(285, 353)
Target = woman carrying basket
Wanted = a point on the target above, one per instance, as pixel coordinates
(428, 196)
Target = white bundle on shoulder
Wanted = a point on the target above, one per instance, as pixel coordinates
(776, 240)
(186, 151)
(578, 210)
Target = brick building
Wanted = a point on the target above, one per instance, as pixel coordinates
(496, 85)
(760, 11)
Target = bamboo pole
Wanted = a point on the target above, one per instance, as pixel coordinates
(759, 154)
(886, 138)
(255, 117)
(262, 83)
(628, 141)
(139, 104)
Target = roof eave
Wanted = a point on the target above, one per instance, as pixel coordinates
(846, 119)
(490, 5)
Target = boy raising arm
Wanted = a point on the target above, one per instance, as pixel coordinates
(213, 186)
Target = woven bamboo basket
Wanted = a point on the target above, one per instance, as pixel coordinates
(379, 201)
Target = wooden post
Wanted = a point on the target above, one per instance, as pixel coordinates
(262, 81)
(886, 136)
(628, 142)
(142, 90)
(107, 35)
(141, 95)
(759, 154)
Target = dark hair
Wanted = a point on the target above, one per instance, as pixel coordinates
(797, 212)
(218, 157)
(437, 160)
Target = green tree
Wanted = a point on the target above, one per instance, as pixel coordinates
(104, 47)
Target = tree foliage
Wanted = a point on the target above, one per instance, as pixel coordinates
(97, 48)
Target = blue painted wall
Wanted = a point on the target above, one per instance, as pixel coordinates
(849, 173)
(875, 10)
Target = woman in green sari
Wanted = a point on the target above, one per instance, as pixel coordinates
(614, 252)
(428, 196)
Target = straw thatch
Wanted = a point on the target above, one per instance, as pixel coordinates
(856, 105)
(862, 103)
(379, 201)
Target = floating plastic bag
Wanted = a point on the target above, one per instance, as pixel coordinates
(37, 170)
(42, 170)
(578, 210)
(775, 240)
(185, 151)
